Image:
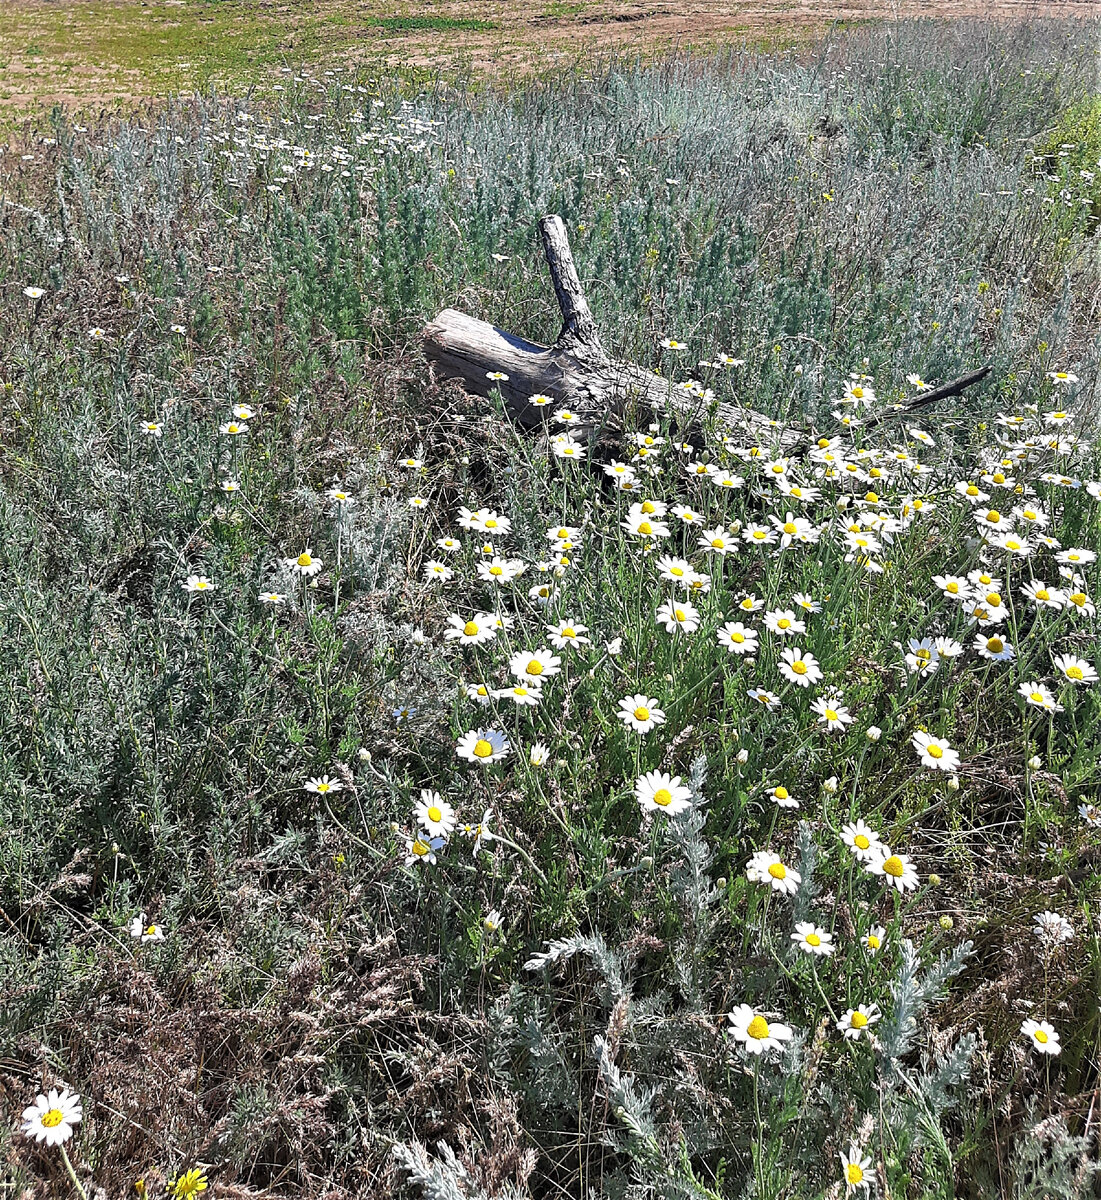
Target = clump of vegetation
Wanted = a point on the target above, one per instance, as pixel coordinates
(395, 803)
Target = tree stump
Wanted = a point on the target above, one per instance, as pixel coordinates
(576, 372)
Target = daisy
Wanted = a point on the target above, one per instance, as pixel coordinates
(542, 593)
(321, 785)
(1037, 593)
(539, 400)
(674, 570)
(794, 529)
(243, 412)
(1082, 603)
(482, 627)
(538, 754)
(480, 831)
(640, 713)
(478, 692)
(567, 447)
(499, 376)
(435, 816)
(855, 1165)
(658, 792)
(896, 869)
(799, 666)
(873, 940)
(521, 694)
(855, 1023)
(145, 931)
(782, 797)
(1091, 814)
(198, 583)
(812, 939)
(755, 1032)
(422, 849)
(1039, 695)
(233, 428)
(34, 293)
(151, 428)
(437, 572)
(717, 541)
(534, 665)
(766, 867)
(1052, 929)
(305, 564)
(936, 754)
(500, 570)
(833, 715)
(806, 602)
(784, 622)
(922, 656)
(862, 840)
(449, 544)
(687, 515)
(51, 1117)
(763, 696)
(1075, 557)
(737, 638)
(568, 633)
(758, 535)
(994, 648)
(749, 603)
(1043, 1037)
(483, 746)
(678, 614)
(1077, 670)
(272, 599)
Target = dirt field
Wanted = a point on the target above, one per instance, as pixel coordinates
(95, 53)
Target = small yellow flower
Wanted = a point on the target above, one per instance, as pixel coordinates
(188, 1184)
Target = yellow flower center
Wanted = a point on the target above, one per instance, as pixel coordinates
(322, 787)
(861, 841)
(718, 543)
(53, 1118)
(831, 714)
(739, 638)
(483, 748)
(790, 527)
(535, 667)
(783, 623)
(993, 516)
(972, 490)
(679, 614)
(305, 559)
(420, 848)
(871, 497)
(757, 1028)
(496, 571)
(995, 645)
(853, 1173)
(645, 527)
(569, 632)
(747, 604)
(858, 1020)
(470, 628)
(813, 939)
(873, 942)
(893, 866)
(150, 930)
(994, 599)
(778, 871)
(934, 751)
(923, 652)
(434, 814)
(781, 793)
(1039, 1035)
(1036, 697)
(663, 797)
(491, 523)
(1079, 598)
(858, 392)
(677, 571)
(1074, 673)
(799, 667)
(642, 713)
(648, 506)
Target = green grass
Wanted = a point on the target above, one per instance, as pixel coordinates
(434, 24)
(323, 1018)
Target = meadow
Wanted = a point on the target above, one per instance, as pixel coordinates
(396, 803)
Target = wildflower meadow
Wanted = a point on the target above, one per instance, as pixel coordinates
(396, 801)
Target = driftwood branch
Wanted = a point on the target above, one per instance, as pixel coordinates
(576, 372)
(924, 399)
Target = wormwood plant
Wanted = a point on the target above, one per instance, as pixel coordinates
(392, 803)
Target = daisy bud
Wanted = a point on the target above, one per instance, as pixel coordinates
(743, 756)
(364, 754)
(954, 783)
(646, 862)
(1035, 763)
(830, 785)
(720, 882)
(668, 678)
(615, 646)
(934, 880)
(395, 827)
(874, 733)
(418, 638)
(798, 368)
(946, 923)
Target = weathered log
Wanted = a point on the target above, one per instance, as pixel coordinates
(926, 398)
(576, 372)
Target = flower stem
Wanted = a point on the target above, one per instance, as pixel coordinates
(72, 1174)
